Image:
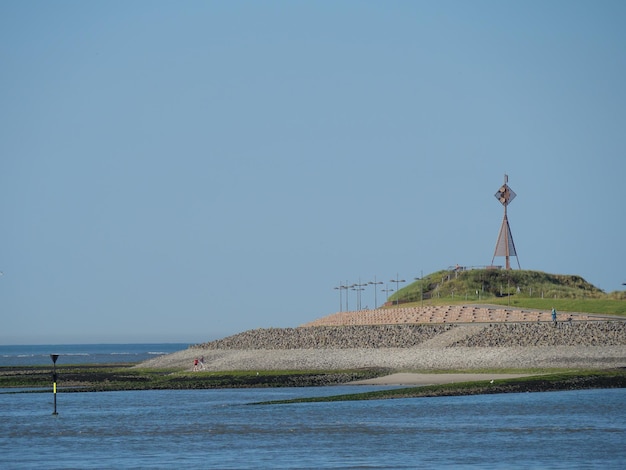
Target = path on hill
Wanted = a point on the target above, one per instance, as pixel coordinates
(458, 333)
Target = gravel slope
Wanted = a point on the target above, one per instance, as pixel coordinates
(597, 344)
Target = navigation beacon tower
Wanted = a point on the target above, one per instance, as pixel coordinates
(505, 246)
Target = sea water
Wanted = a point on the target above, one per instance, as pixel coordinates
(37, 355)
(197, 429)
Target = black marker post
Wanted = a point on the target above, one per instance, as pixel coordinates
(54, 358)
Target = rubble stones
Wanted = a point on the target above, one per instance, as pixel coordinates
(584, 344)
(598, 333)
(329, 337)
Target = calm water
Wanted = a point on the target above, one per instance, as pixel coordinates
(216, 429)
(36, 355)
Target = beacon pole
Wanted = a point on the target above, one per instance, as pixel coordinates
(54, 358)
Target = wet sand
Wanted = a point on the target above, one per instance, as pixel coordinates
(407, 378)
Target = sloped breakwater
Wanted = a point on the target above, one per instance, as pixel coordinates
(597, 344)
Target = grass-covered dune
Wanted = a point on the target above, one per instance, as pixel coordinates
(517, 288)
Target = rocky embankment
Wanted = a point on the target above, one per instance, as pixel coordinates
(580, 334)
(589, 344)
(331, 337)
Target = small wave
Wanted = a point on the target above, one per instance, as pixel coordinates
(122, 354)
(156, 353)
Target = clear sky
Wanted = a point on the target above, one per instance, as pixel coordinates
(184, 170)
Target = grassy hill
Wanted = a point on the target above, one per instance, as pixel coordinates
(519, 288)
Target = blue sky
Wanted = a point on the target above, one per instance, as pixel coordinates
(180, 171)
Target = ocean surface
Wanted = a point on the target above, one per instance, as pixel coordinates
(37, 355)
(198, 429)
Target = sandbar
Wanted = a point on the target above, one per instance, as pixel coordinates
(415, 379)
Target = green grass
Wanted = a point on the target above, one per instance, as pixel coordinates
(598, 306)
(515, 288)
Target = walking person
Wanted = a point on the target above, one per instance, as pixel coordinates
(554, 316)
(195, 364)
(202, 363)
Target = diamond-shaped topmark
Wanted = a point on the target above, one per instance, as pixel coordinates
(505, 195)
